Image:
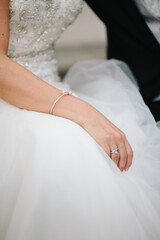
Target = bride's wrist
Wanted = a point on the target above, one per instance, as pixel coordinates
(72, 108)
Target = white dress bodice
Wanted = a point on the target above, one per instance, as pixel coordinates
(35, 25)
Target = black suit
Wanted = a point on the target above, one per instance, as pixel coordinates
(131, 41)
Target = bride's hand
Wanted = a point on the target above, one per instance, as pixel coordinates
(106, 134)
(109, 137)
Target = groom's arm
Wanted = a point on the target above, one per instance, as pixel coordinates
(107, 10)
(113, 15)
(99, 7)
(130, 40)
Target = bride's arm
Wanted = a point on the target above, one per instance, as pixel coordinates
(23, 89)
(19, 86)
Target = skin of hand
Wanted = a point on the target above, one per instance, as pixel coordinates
(109, 137)
(105, 133)
(23, 89)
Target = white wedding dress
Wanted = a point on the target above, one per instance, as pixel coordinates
(56, 183)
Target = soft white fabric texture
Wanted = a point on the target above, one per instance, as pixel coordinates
(55, 181)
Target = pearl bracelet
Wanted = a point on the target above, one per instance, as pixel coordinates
(64, 92)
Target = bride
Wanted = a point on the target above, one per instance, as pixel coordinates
(80, 165)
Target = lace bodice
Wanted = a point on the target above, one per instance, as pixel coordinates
(35, 25)
(150, 9)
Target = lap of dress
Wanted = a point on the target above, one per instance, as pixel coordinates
(57, 183)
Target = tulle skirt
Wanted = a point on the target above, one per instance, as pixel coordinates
(56, 183)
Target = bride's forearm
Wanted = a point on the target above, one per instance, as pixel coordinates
(23, 89)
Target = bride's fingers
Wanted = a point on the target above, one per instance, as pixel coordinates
(130, 155)
(105, 147)
(114, 156)
(123, 156)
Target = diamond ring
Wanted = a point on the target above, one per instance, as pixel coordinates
(115, 151)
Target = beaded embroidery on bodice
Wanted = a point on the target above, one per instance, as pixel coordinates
(35, 25)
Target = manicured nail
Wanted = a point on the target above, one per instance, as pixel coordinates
(127, 169)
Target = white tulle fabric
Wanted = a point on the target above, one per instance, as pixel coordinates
(55, 181)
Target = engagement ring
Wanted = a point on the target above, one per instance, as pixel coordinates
(115, 151)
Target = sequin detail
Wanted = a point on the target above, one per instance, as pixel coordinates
(35, 25)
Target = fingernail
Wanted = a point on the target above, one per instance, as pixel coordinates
(127, 169)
